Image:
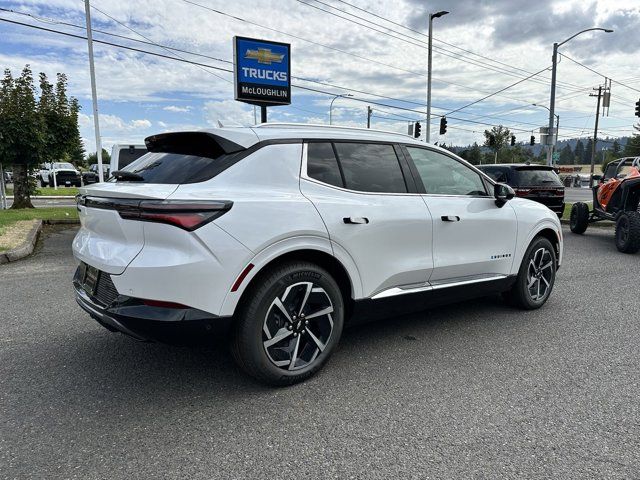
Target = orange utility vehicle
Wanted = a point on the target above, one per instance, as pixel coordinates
(615, 198)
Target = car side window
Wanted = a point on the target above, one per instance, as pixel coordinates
(371, 167)
(443, 175)
(322, 164)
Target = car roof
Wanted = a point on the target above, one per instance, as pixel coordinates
(249, 136)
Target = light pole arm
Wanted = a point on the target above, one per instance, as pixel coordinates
(583, 31)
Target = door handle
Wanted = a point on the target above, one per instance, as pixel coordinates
(450, 218)
(355, 220)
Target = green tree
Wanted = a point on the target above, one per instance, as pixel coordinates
(586, 156)
(75, 148)
(578, 152)
(616, 148)
(632, 148)
(21, 132)
(93, 158)
(566, 155)
(501, 136)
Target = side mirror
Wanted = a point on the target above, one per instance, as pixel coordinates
(503, 193)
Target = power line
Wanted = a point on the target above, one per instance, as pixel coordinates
(152, 42)
(413, 41)
(301, 87)
(598, 73)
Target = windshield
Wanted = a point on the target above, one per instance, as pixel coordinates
(63, 166)
(530, 177)
(176, 168)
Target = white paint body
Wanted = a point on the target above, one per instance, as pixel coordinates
(278, 209)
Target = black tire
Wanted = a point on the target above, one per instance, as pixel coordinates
(628, 232)
(260, 320)
(43, 183)
(579, 219)
(543, 274)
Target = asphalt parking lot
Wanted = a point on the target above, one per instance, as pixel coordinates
(474, 390)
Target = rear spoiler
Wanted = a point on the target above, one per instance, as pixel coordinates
(201, 144)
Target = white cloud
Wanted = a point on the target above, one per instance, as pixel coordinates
(228, 112)
(176, 109)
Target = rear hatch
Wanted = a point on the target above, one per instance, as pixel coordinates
(113, 214)
(106, 240)
(539, 183)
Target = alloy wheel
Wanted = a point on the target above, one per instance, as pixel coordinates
(298, 326)
(540, 274)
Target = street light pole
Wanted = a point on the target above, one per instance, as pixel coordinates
(429, 65)
(331, 105)
(92, 73)
(557, 122)
(552, 100)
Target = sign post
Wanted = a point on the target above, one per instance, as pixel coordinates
(262, 73)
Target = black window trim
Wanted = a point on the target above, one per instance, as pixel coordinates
(407, 177)
(418, 180)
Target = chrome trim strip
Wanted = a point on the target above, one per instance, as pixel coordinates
(488, 278)
(392, 292)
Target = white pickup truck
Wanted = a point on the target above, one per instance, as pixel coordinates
(66, 175)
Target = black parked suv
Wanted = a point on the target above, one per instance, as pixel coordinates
(534, 182)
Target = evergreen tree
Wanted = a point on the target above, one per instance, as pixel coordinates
(21, 132)
(632, 148)
(586, 156)
(501, 137)
(566, 155)
(578, 152)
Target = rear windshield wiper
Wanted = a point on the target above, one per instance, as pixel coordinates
(127, 176)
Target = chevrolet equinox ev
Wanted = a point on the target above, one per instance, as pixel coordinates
(285, 232)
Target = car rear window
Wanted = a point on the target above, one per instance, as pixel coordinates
(498, 174)
(127, 156)
(176, 168)
(531, 177)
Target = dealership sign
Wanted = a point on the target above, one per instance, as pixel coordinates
(262, 71)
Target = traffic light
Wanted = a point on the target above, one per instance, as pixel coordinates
(492, 140)
(416, 130)
(513, 140)
(638, 108)
(533, 140)
(443, 125)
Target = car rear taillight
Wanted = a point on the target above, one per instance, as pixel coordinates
(521, 192)
(188, 215)
(559, 191)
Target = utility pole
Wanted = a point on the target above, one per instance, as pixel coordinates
(429, 64)
(92, 73)
(263, 114)
(595, 134)
(3, 192)
(369, 112)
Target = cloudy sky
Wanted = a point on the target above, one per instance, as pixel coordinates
(374, 50)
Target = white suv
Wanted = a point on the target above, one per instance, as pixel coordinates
(286, 232)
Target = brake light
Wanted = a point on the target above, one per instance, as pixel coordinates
(522, 191)
(560, 191)
(162, 304)
(188, 215)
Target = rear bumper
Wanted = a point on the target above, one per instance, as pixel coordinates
(148, 323)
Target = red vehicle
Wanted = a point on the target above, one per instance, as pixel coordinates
(615, 198)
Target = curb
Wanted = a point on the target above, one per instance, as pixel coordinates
(48, 197)
(63, 221)
(26, 248)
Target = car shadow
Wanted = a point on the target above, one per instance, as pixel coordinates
(116, 372)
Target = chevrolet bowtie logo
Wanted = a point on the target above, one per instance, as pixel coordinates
(264, 55)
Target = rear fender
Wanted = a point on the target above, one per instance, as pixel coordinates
(280, 248)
